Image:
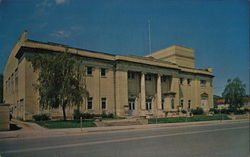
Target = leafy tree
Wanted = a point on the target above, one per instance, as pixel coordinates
(1, 88)
(234, 93)
(60, 80)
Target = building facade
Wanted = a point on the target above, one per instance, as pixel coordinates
(157, 84)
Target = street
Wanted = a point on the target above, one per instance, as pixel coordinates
(217, 140)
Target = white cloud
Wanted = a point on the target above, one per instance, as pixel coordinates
(61, 34)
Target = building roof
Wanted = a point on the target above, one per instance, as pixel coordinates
(23, 42)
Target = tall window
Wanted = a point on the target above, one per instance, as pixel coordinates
(89, 70)
(203, 83)
(148, 104)
(172, 103)
(131, 75)
(189, 104)
(163, 79)
(189, 81)
(131, 104)
(182, 102)
(162, 104)
(104, 103)
(103, 72)
(148, 77)
(90, 103)
(181, 80)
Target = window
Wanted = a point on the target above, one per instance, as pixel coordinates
(211, 83)
(203, 83)
(148, 77)
(89, 70)
(189, 81)
(131, 75)
(163, 79)
(103, 72)
(181, 80)
(172, 103)
(189, 104)
(104, 103)
(182, 102)
(131, 104)
(90, 103)
(148, 104)
(162, 104)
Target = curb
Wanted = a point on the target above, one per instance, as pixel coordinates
(76, 131)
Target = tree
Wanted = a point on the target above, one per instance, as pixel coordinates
(1, 88)
(60, 80)
(234, 93)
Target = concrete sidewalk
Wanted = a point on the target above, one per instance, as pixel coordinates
(32, 130)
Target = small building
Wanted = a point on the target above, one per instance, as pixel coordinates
(156, 84)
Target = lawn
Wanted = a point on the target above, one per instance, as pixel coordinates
(189, 119)
(66, 124)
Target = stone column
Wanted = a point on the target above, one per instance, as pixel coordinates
(143, 93)
(159, 101)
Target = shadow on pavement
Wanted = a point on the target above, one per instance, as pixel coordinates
(14, 127)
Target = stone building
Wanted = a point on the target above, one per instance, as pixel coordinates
(157, 84)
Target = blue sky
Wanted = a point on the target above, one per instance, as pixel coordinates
(218, 30)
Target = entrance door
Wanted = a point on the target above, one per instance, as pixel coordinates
(131, 106)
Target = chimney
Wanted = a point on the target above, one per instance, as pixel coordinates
(24, 36)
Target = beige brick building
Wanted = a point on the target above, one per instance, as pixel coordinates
(157, 84)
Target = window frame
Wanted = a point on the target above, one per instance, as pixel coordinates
(203, 83)
(103, 72)
(131, 75)
(104, 103)
(89, 71)
(181, 80)
(90, 99)
(148, 77)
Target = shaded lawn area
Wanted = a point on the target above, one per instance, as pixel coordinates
(66, 124)
(189, 119)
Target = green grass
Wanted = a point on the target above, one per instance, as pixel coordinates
(189, 119)
(66, 124)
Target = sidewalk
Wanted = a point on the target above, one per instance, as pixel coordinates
(32, 130)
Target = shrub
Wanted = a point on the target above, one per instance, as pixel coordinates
(197, 111)
(247, 110)
(183, 111)
(239, 111)
(41, 117)
(225, 111)
(214, 110)
(88, 115)
(77, 114)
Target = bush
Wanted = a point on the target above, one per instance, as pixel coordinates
(41, 117)
(239, 111)
(183, 111)
(214, 110)
(197, 111)
(77, 114)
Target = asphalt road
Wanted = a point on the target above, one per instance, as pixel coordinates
(217, 140)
